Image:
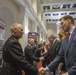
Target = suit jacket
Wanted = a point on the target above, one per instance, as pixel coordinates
(29, 56)
(37, 52)
(68, 52)
(53, 51)
(13, 60)
(34, 48)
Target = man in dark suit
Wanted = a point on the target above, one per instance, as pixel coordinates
(68, 48)
(28, 52)
(34, 47)
(54, 48)
(13, 60)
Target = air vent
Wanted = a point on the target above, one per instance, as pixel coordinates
(74, 6)
(66, 6)
(56, 7)
(72, 13)
(46, 7)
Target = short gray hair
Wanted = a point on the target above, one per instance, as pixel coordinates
(52, 36)
(13, 25)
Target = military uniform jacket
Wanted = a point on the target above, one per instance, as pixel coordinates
(13, 59)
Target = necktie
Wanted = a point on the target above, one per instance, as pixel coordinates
(68, 36)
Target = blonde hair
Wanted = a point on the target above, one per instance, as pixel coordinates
(62, 35)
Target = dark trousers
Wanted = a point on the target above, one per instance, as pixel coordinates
(54, 71)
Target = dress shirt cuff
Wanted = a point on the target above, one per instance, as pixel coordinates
(47, 68)
(67, 73)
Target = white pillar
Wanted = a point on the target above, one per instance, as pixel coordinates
(38, 31)
(34, 27)
(34, 4)
(23, 18)
(25, 23)
(41, 36)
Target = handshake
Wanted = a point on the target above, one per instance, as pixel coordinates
(41, 58)
(42, 71)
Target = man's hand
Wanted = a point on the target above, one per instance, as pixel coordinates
(59, 72)
(64, 74)
(41, 58)
(42, 71)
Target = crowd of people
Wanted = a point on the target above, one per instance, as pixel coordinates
(56, 55)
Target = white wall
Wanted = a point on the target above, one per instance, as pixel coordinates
(9, 13)
(52, 29)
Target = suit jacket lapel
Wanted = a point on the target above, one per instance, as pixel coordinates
(66, 43)
(71, 39)
(52, 47)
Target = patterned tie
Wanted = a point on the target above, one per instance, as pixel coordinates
(68, 36)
